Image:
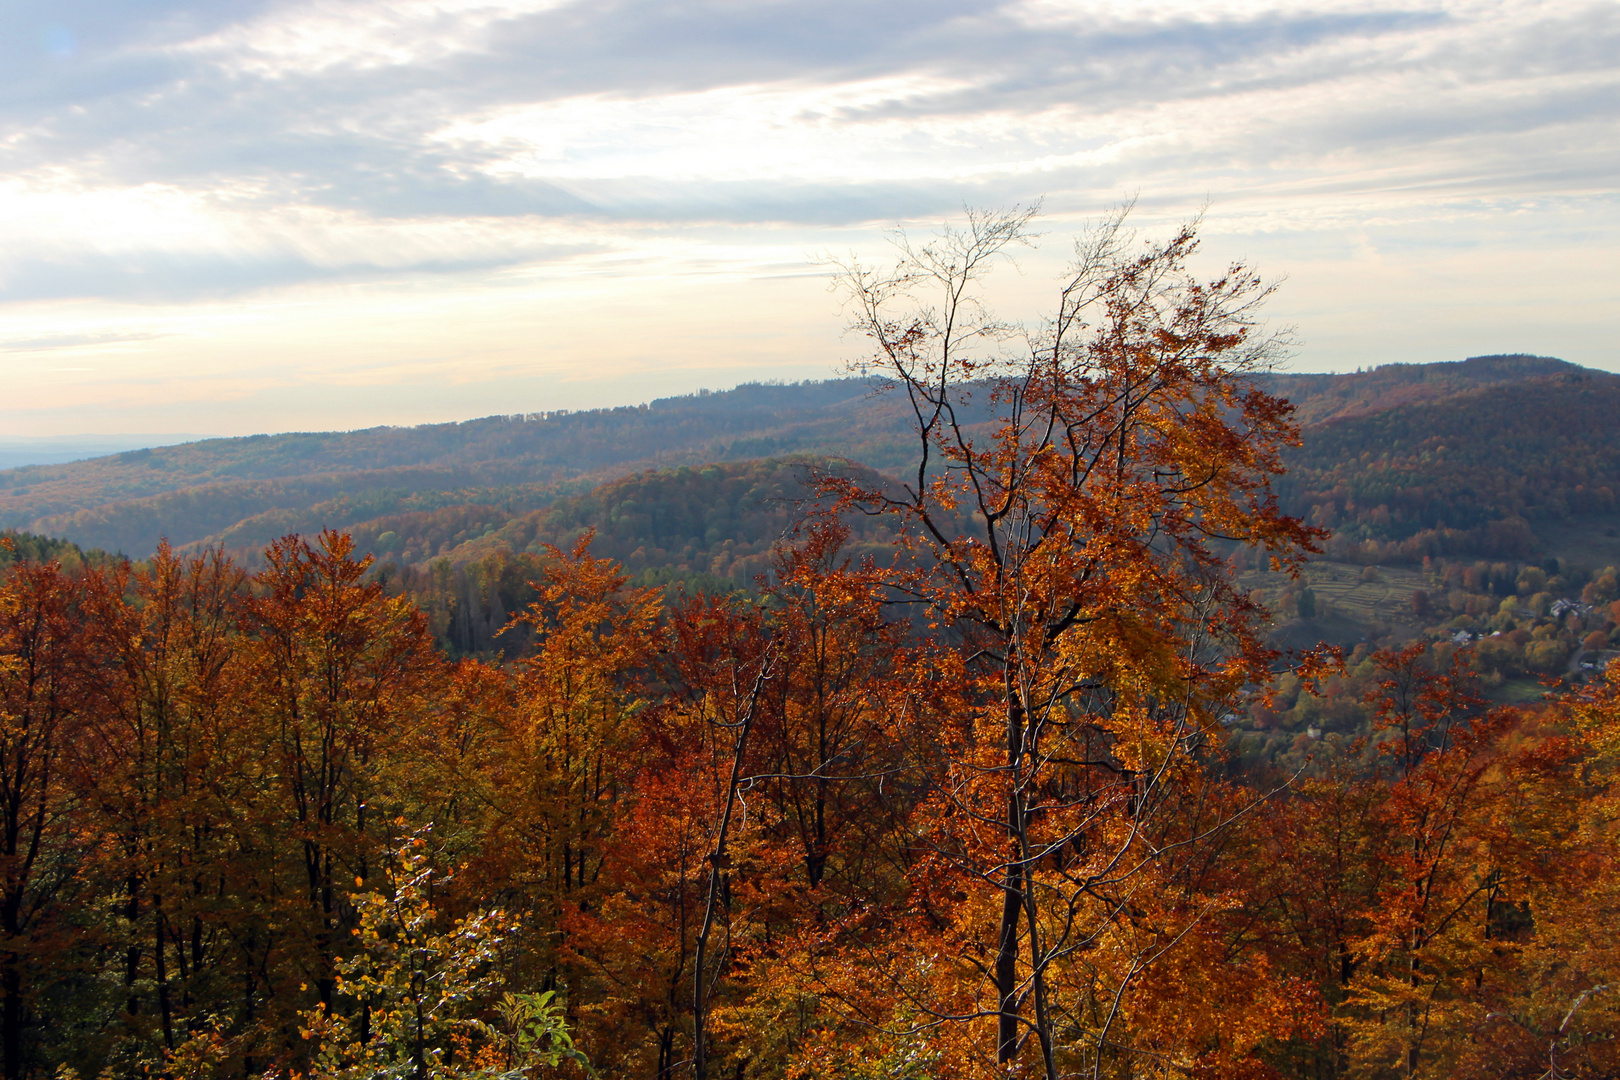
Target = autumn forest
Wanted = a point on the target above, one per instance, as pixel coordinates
(1098, 723)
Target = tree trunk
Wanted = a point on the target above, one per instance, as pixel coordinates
(718, 860)
(1012, 902)
(1012, 891)
(11, 1017)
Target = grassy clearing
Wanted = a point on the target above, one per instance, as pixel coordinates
(1517, 692)
(1592, 541)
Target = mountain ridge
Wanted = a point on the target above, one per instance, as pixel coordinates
(243, 492)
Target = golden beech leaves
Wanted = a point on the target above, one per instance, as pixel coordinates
(1094, 631)
(964, 805)
(287, 838)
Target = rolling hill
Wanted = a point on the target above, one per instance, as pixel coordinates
(1478, 471)
(1499, 456)
(242, 491)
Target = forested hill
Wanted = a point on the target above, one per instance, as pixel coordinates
(1320, 398)
(242, 490)
(1477, 457)
(1482, 471)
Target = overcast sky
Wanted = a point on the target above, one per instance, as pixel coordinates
(228, 216)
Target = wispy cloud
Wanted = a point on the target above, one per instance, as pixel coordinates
(184, 152)
(70, 341)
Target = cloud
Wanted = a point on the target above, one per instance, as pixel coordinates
(183, 151)
(68, 238)
(49, 342)
(467, 107)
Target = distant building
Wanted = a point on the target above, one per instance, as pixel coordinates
(1560, 608)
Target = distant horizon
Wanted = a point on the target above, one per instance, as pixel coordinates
(12, 448)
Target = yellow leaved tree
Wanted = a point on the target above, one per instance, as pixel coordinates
(429, 1000)
(1065, 529)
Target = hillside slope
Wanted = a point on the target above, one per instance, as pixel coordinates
(1481, 456)
(1318, 399)
(1473, 472)
(715, 528)
(201, 491)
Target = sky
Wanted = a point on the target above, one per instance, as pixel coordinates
(232, 216)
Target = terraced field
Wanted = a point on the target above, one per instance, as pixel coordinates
(1346, 590)
(1387, 598)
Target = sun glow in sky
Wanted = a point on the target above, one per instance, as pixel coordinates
(234, 216)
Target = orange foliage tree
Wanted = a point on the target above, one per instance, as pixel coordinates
(1060, 533)
(163, 765)
(44, 840)
(557, 777)
(1448, 894)
(342, 673)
